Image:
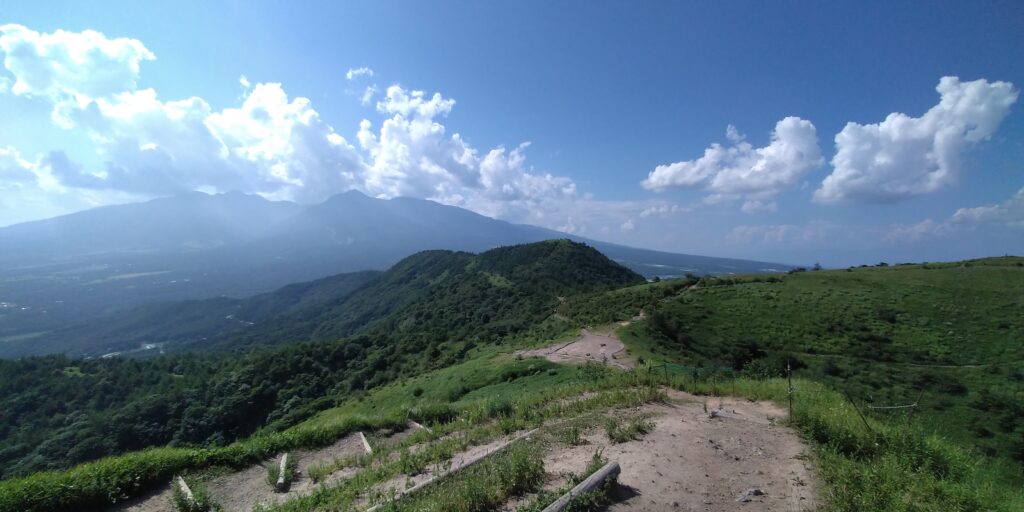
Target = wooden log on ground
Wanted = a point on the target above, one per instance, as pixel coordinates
(366, 444)
(454, 469)
(282, 482)
(186, 491)
(595, 480)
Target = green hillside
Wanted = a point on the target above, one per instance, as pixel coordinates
(951, 335)
(426, 313)
(433, 341)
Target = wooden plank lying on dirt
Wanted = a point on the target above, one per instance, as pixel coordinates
(366, 444)
(595, 480)
(186, 491)
(417, 425)
(282, 482)
(454, 469)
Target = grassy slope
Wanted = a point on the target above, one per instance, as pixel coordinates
(887, 467)
(885, 335)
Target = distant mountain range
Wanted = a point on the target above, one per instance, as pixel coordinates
(71, 269)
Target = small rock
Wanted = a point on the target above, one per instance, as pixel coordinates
(748, 495)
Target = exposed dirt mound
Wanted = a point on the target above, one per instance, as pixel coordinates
(603, 348)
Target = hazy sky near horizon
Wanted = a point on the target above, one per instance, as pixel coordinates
(784, 131)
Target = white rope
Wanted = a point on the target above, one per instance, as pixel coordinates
(892, 406)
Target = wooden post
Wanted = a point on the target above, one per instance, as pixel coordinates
(862, 418)
(186, 491)
(917, 403)
(282, 482)
(366, 444)
(595, 480)
(789, 377)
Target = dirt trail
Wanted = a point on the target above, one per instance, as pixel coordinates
(692, 462)
(245, 489)
(604, 348)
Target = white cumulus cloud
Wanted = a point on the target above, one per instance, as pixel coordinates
(905, 156)
(70, 68)
(743, 171)
(271, 144)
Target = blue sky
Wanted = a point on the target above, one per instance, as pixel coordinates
(603, 92)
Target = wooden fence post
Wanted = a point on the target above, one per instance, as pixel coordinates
(789, 377)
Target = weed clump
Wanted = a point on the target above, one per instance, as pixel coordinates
(200, 502)
(635, 429)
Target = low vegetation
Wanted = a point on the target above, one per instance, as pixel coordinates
(854, 339)
(632, 430)
(200, 500)
(406, 321)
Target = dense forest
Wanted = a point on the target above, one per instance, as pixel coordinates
(426, 313)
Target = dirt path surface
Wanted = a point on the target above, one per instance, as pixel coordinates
(693, 462)
(604, 348)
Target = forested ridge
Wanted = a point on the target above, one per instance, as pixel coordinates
(427, 312)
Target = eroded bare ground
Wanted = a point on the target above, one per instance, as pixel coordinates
(703, 454)
(604, 348)
(243, 490)
(691, 461)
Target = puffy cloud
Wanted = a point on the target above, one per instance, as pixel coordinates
(627, 226)
(743, 171)
(905, 156)
(272, 144)
(413, 155)
(70, 68)
(354, 73)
